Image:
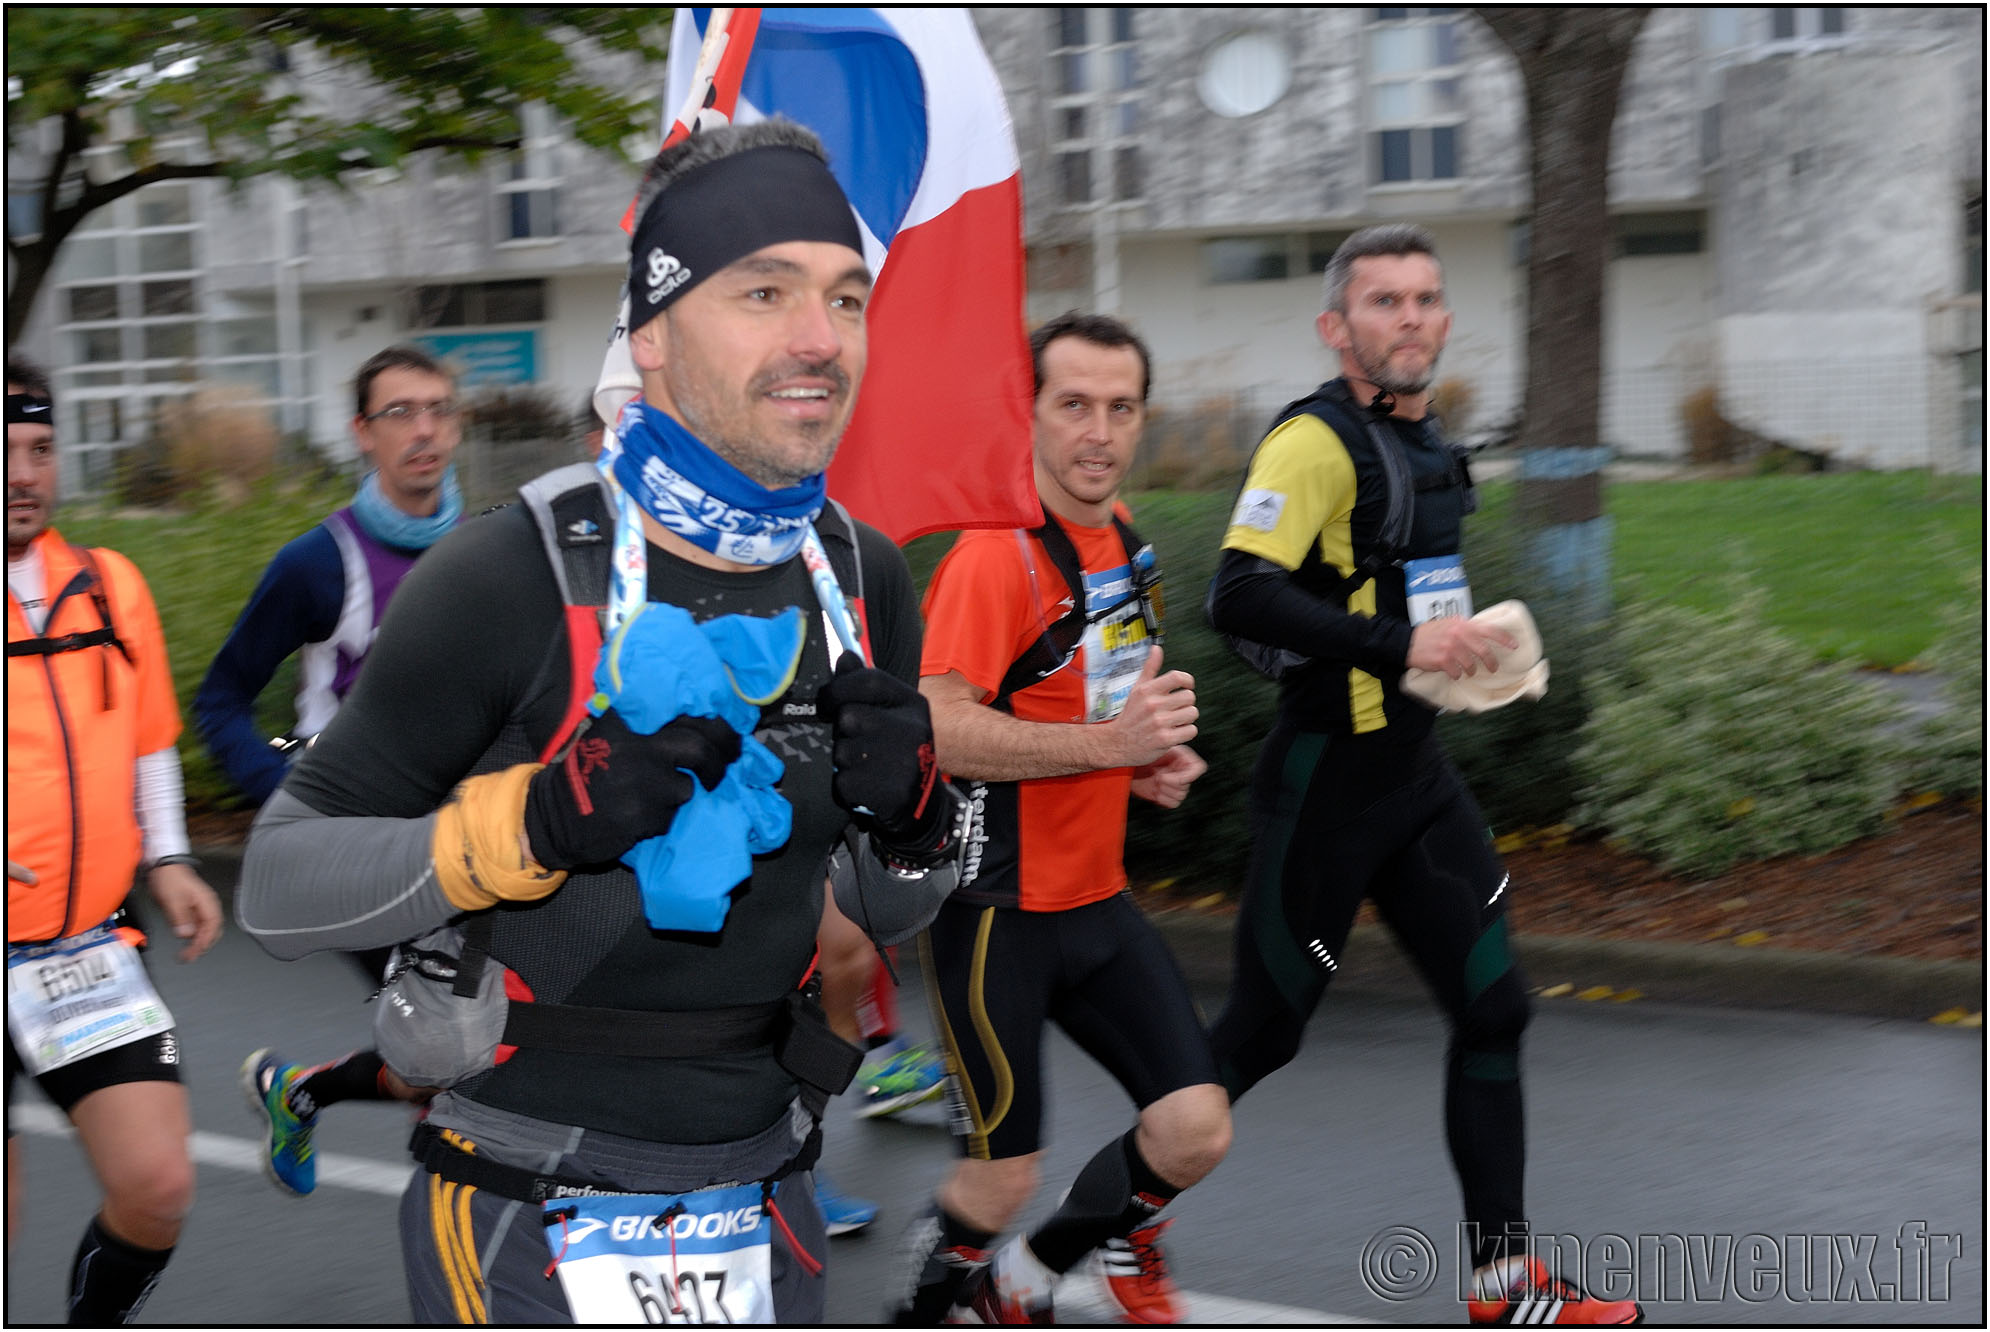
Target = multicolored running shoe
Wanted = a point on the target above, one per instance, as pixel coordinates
(897, 1077)
(287, 1155)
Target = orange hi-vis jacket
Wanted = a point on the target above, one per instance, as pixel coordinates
(82, 706)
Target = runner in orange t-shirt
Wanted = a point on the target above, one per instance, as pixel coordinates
(1050, 707)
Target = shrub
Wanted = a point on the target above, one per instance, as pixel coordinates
(1709, 435)
(1714, 739)
(1520, 760)
(202, 565)
(1453, 399)
(511, 434)
(1949, 755)
(1207, 841)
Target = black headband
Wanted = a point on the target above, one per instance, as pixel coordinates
(29, 409)
(723, 211)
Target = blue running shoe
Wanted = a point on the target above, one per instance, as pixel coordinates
(287, 1156)
(898, 1077)
(841, 1214)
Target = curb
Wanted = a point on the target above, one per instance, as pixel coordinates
(1596, 969)
(1622, 970)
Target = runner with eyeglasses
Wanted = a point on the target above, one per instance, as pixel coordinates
(321, 600)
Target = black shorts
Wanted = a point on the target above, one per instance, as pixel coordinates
(1102, 972)
(154, 1059)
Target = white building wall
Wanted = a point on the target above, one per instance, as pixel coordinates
(1852, 383)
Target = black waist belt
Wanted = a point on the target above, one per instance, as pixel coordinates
(435, 1152)
(576, 1029)
(439, 1151)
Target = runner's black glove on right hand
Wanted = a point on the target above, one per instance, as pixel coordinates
(883, 751)
(616, 788)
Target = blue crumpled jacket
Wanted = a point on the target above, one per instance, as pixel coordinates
(661, 665)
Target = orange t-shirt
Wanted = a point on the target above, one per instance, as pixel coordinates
(1051, 843)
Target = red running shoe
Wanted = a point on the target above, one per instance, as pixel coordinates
(1134, 1272)
(1528, 1293)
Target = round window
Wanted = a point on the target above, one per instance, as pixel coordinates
(1245, 73)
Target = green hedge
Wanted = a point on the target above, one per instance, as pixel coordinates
(1715, 739)
(201, 564)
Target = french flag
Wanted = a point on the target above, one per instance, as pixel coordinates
(918, 135)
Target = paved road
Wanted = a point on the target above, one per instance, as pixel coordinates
(1704, 1126)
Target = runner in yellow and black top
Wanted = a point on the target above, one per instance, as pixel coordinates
(1050, 706)
(1339, 575)
(93, 793)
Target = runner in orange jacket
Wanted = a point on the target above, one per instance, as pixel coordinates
(93, 792)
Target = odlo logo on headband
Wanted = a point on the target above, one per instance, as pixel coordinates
(666, 275)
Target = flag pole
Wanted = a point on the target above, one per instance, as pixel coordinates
(699, 99)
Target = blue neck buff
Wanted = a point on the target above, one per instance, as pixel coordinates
(379, 519)
(674, 478)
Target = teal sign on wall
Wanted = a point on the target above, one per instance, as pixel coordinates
(483, 359)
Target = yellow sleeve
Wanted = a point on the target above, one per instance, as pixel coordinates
(1300, 483)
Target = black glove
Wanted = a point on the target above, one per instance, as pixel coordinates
(885, 771)
(615, 788)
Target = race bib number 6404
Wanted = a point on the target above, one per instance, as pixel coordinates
(695, 1258)
(78, 997)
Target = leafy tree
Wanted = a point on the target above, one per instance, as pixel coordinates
(303, 91)
(1572, 61)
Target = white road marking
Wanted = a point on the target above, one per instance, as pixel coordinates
(1079, 1298)
(216, 1149)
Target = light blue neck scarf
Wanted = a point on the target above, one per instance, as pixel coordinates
(379, 519)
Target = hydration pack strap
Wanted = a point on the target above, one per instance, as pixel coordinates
(48, 647)
(89, 580)
(1046, 655)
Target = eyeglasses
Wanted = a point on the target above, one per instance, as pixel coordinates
(405, 413)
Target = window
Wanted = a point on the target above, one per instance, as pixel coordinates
(1246, 258)
(86, 257)
(1790, 22)
(1659, 233)
(253, 335)
(1126, 183)
(96, 345)
(1320, 247)
(1416, 104)
(528, 200)
(1095, 110)
(23, 214)
(1074, 177)
(165, 206)
(473, 303)
(173, 296)
(90, 304)
(170, 342)
(165, 251)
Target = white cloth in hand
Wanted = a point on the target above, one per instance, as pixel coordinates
(1522, 671)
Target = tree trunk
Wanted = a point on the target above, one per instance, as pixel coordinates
(1572, 63)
